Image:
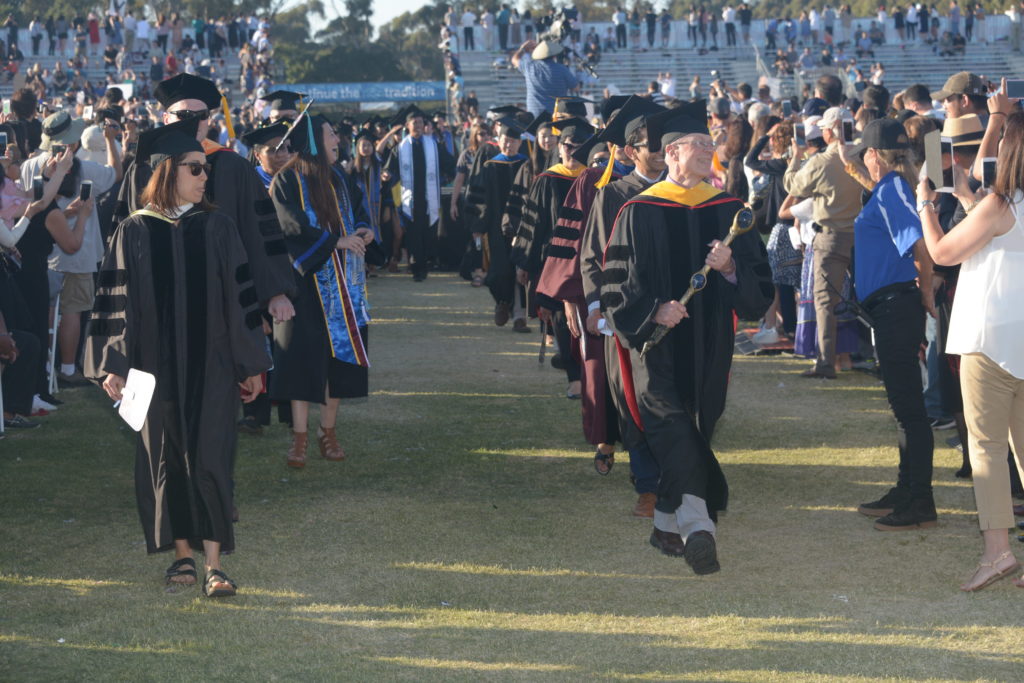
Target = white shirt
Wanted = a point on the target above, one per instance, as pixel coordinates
(619, 18)
(987, 316)
(130, 23)
(912, 15)
(487, 20)
(668, 87)
(729, 15)
(468, 19)
(142, 29)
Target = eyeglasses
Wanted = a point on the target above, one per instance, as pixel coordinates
(700, 144)
(186, 114)
(197, 168)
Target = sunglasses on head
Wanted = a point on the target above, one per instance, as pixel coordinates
(197, 168)
(185, 114)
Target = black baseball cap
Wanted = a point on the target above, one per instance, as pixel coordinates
(882, 134)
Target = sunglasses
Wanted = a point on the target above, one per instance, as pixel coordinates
(186, 114)
(197, 168)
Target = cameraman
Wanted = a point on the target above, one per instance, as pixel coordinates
(546, 77)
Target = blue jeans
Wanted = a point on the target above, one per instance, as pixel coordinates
(644, 468)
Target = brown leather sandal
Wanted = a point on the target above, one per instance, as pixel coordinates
(297, 452)
(329, 447)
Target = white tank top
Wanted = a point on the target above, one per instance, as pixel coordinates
(988, 311)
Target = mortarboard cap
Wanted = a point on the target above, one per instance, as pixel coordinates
(584, 152)
(158, 144)
(611, 105)
(631, 115)
(187, 87)
(668, 126)
(283, 99)
(366, 133)
(299, 135)
(571, 106)
(265, 134)
(574, 129)
(406, 114)
(543, 119)
(510, 126)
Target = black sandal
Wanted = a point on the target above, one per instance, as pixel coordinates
(605, 460)
(215, 577)
(186, 566)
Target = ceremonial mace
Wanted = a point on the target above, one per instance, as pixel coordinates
(742, 222)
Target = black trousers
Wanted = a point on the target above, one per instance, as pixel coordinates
(467, 33)
(899, 330)
(503, 36)
(620, 35)
(19, 376)
(730, 35)
(564, 337)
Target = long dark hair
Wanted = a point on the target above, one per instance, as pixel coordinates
(363, 164)
(161, 192)
(320, 180)
(1010, 164)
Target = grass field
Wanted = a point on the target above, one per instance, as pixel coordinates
(467, 537)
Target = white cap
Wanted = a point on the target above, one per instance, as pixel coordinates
(811, 129)
(834, 115)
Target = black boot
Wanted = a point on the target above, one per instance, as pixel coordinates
(886, 504)
(918, 513)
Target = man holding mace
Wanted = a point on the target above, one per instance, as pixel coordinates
(676, 391)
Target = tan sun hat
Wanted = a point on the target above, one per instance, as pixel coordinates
(547, 48)
(964, 130)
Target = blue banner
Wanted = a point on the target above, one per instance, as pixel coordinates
(370, 92)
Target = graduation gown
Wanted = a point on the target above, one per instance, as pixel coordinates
(307, 346)
(607, 203)
(487, 201)
(560, 279)
(676, 393)
(540, 215)
(517, 195)
(176, 300)
(237, 190)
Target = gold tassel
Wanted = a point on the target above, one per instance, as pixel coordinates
(606, 177)
(227, 117)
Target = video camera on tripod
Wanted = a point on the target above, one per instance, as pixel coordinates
(559, 31)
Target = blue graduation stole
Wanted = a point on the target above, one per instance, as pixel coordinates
(335, 300)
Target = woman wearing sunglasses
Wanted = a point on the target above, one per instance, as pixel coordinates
(176, 301)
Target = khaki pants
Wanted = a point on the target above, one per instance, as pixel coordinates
(831, 261)
(994, 409)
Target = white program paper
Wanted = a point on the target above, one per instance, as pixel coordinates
(136, 397)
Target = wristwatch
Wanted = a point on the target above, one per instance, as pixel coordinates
(923, 203)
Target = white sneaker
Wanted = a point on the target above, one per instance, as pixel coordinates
(767, 335)
(39, 404)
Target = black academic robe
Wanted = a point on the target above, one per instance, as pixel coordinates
(487, 199)
(540, 214)
(302, 346)
(176, 300)
(420, 233)
(236, 190)
(676, 393)
(607, 204)
(517, 195)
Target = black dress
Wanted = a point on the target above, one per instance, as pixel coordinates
(176, 300)
(32, 279)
